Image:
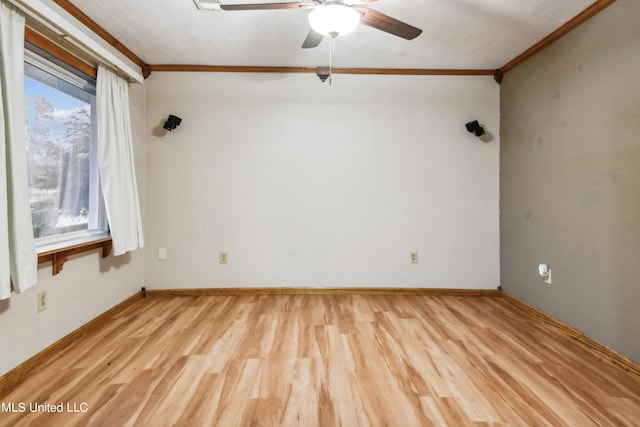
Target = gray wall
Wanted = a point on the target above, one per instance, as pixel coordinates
(570, 178)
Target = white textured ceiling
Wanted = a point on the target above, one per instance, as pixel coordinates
(457, 34)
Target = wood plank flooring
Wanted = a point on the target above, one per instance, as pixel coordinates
(334, 360)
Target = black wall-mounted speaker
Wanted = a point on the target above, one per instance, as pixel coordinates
(172, 123)
(475, 128)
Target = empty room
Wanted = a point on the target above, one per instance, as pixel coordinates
(320, 213)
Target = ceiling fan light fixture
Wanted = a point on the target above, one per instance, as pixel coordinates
(334, 19)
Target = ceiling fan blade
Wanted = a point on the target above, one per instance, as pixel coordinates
(313, 39)
(382, 22)
(267, 6)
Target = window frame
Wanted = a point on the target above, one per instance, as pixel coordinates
(57, 251)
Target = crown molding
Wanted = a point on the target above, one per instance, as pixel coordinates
(337, 70)
(576, 21)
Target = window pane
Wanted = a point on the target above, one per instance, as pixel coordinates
(60, 138)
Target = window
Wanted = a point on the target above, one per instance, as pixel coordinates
(61, 136)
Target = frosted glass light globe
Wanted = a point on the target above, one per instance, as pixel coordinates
(334, 19)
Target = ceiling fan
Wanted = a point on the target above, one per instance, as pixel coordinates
(336, 17)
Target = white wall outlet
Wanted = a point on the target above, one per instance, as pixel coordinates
(162, 253)
(42, 301)
(545, 271)
(224, 258)
(413, 257)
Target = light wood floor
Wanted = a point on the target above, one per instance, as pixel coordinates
(294, 360)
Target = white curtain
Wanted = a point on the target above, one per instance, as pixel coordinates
(115, 155)
(18, 258)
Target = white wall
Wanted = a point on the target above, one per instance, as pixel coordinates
(307, 184)
(88, 285)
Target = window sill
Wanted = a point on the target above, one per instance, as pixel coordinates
(59, 255)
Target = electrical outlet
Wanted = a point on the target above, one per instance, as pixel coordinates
(545, 272)
(42, 301)
(224, 258)
(413, 257)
